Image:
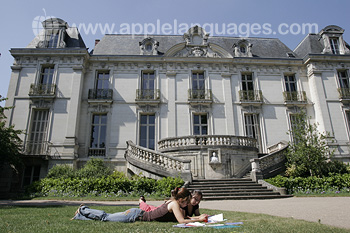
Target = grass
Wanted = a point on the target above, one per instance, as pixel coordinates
(57, 219)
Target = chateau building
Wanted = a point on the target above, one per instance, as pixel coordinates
(193, 104)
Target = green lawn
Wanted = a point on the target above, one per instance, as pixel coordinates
(57, 219)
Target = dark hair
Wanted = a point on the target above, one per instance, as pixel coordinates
(178, 193)
(198, 193)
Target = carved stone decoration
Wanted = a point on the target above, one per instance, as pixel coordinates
(242, 48)
(148, 109)
(149, 46)
(296, 109)
(200, 108)
(40, 103)
(252, 109)
(99, 108)
(196, 45)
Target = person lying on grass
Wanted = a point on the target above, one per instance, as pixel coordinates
(170, 211)
(191, 209)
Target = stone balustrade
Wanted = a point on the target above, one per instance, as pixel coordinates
(274, 161)
(154, 161)
(175, 143)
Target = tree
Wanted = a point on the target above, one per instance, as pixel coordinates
(10, 142)
(308, 153)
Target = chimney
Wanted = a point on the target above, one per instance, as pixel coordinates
(97, 41)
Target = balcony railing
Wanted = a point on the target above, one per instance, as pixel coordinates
(295, 96)
(36, 148)
(199, 95)
(147, 94)
(194, 141)
(344, 93)
(250, 96)
(100, 94)
(39, 89)
(97, 151)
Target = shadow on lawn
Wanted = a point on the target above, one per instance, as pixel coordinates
(54, 203)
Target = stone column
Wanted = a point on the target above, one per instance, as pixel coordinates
(12, 91)
(318, 97)
(70, 143)
(171, 95)
(227, 91)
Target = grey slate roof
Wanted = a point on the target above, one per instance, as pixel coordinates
(113, 44)
(72, 39)
(310, 44)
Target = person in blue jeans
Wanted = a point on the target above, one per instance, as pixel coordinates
(168, 212)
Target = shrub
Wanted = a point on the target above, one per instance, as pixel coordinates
(109, 186)
(94, 168)
(61, 171)
(295, 184)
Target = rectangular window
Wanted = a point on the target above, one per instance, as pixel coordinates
(46, 75)
(147, 85)
(252, 127)
(247, 82)
(31, 174)
(198, 81)
(294, 122)
(102, 81)
(38, 134)
(334, 42)
(348, 118)
(53, 40)
(102, 90)
(147, 131)
(98, 135)
(198, 86)
(290, 83)
(343, 79)
(200, 124)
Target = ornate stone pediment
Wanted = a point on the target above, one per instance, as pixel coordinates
(196, 45)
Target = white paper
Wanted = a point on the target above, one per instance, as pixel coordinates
(216, 218)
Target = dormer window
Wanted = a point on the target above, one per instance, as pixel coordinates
(149, 46)
(52, 38)
(54, 33)
(242, 48)
(334, 42)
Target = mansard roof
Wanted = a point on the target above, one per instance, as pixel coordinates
(115, 44)
(72, 36)
(315, 44)
(310, 45)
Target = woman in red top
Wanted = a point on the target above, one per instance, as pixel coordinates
(169, 211)
(191, 209)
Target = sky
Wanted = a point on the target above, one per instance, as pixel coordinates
(290, 21)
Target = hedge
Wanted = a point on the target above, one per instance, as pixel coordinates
(295, 184)
(111, 185)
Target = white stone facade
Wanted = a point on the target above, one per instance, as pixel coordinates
(67, 129)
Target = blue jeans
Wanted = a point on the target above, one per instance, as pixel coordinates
(129, 215)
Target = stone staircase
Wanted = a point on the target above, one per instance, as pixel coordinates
(233, 189)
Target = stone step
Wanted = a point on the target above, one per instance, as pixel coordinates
(215, 186)
(205, 195)
(234, 188)
(246, 197)
(224, 182)
(216, 189)
(237, 191)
